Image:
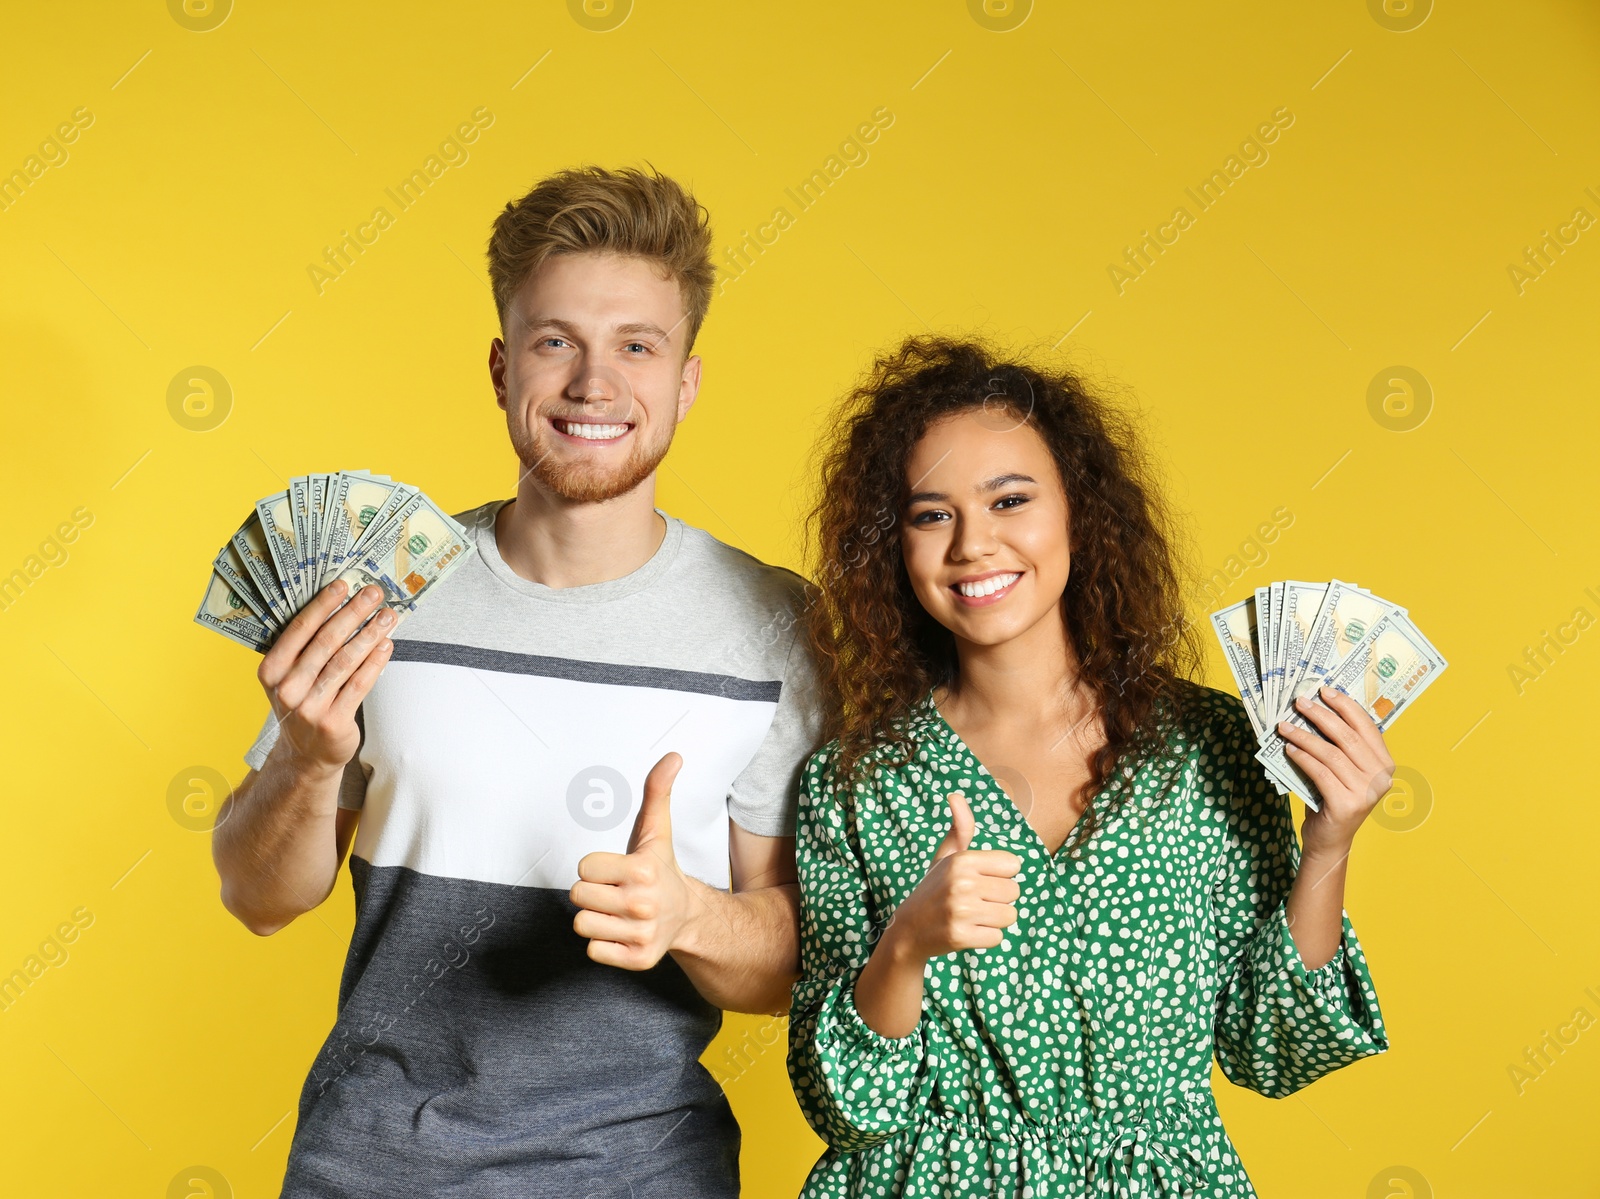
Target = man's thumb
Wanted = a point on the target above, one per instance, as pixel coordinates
(961, 826)
(654, 821)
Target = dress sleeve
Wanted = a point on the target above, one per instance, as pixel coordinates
(1279, 1026)
(855, 1087)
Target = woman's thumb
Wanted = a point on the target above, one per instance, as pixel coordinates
(961, 825)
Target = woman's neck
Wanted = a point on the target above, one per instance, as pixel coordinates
(1030, 679)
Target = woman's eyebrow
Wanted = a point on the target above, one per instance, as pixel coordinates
(994, 484)
(999, 481)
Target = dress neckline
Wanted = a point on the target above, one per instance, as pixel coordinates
(933, 720)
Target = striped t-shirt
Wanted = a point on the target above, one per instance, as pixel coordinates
(478, 1051)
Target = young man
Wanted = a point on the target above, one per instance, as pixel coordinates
(543, 946)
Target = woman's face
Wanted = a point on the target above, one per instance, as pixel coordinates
(985, 534)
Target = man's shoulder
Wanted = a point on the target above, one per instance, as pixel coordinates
(478, 516)
(738, 574)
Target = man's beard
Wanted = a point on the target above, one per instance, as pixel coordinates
(582, 482)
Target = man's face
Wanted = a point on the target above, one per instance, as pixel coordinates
(592, 373)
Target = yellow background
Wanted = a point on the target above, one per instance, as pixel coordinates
(1019, 166)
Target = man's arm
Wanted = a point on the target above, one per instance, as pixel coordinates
(279, 839)
(740, 948)
(285, 839)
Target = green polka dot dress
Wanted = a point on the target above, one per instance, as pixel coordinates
(1074, 1058)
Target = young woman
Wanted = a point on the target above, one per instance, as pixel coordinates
(1043, 877)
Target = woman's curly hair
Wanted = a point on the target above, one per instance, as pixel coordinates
(877, 649)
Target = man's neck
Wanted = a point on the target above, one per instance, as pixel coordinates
(549, 540)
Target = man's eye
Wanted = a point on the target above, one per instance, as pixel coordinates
(552, 341)
(637, 345)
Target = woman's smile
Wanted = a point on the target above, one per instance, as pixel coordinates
(984, 590)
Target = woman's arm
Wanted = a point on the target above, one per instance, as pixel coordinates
(1353, 771)
(965, 901)
(855, 1087)
(1280, 1022)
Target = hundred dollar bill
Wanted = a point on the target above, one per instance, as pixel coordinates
(315, 489)
(1301, 602)
(1275, 667)
(251, 543)
(298, 493)
(1235, 627)
(1384, 672)
(276, 514)
(415, 549)
(231, 567)
(1346, 615)
(361, 504)
(225, 611)
(1264, 634)
(355, 525)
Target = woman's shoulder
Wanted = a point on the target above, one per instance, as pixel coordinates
(890, 754)
(1210, 721)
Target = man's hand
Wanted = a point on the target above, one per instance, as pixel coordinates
(634, 906)
(316, 674)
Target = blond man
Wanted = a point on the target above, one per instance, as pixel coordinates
(571, 794)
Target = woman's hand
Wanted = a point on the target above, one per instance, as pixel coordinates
(1352, 768)
(964, 901)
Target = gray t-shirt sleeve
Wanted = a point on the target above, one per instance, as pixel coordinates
(352, 787)
(764, 798)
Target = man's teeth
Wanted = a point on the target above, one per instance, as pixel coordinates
(590, 432)
(987, 586)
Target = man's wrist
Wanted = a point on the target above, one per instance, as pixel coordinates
(306, 771)
(689, 939)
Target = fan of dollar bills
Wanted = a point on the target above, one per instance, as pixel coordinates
(1291, 638)
(350, 525)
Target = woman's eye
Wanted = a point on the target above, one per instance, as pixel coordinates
(928, 517)
(1011, 501)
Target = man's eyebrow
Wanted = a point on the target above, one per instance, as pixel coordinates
(552, 322)
(645, 327)
(994, 484)
(632, 328)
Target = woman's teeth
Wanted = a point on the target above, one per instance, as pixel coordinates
(987, 586)
(589, 431)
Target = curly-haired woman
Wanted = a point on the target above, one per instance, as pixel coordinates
(1043, 877)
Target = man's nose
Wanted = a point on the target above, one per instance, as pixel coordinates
(592, 382)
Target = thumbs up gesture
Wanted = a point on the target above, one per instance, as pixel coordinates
(632, 906)
(967, 897)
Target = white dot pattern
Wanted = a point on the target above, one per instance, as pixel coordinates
(1074, 1058)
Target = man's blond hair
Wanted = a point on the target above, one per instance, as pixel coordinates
(591, 210)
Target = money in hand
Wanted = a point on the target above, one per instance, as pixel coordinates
(349, 525)
(1290, 639)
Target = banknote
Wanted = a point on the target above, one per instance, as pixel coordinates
(1343, 618)
(352, 525)
(1384, 672)
(226, 611)
(1236, 629)
(413, 551)
(1264, 628)
(1288, 639)
(1301, 602)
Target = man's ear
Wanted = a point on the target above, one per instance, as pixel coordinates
(689, 385)
(497, 370)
